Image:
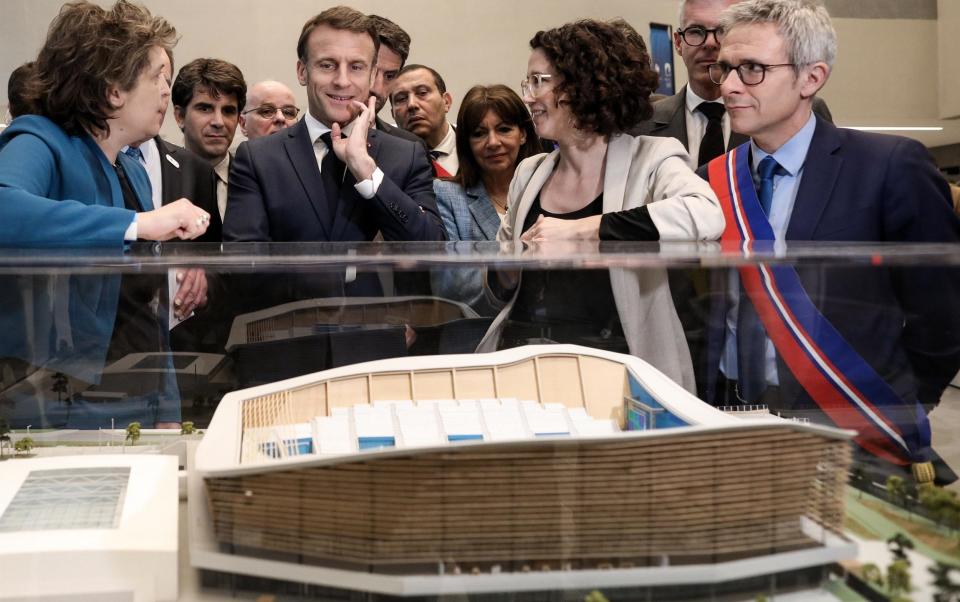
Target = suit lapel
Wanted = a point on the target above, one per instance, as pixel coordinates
(532, 190)
(299, 149)
(615, 172)
(670, 117)
(484, 215)
(349, 199)
(170, 176)
(820, 171)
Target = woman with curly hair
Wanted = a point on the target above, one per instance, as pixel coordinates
(100, 83)
(587, 83)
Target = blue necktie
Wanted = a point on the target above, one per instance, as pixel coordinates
(751, 336)
(767, 170)
(134, 153)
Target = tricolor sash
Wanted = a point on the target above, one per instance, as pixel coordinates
(842, 384)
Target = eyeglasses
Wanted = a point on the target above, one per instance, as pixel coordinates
(268, 111)
(533, 85)
(751, 74)
(696, 35)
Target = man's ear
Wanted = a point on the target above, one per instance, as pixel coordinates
(447, 102)
(813, 78)
(179, 114)
(676, 41)
(301, 72)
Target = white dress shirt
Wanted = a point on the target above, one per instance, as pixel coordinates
(222, 169)
(447, 150)
(367, 188)
(697, 126)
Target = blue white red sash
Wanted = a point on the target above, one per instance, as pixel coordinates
(845, 387)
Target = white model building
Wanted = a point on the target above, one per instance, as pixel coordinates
(89, 528)
(536, 468)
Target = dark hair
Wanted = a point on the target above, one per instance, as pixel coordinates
(437, 80)
(476, 104)
(216, 77)
(18, 104)
(88, 50)
(605, 76)
(392, 36)
(343, 18)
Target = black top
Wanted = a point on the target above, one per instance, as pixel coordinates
(566, 306)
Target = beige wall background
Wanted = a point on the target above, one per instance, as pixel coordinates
(887, 72)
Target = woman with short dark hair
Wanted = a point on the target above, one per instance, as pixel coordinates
(588, 82)
(100, 83)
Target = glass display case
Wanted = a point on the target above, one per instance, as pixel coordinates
(705, 448)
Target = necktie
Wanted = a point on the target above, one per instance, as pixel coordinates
(135, 153)
(331, 172)
(435, 155)
(751, 336)
(768, 169)
(711, 145)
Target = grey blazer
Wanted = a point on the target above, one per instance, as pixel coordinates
(468, 215)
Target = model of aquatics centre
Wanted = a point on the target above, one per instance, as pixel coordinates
(541, 467)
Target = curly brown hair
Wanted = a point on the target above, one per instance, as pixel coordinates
(88, 50)
(605, 77)
(475, 105)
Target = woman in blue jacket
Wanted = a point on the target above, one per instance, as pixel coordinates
(100, 84)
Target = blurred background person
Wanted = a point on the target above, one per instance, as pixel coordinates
(586, 84)
(270, 107)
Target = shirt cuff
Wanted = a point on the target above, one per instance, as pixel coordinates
(131, 234)
(369, 187)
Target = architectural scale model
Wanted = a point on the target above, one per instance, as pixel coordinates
(90, 527)
(537, 468)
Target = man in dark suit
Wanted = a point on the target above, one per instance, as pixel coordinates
(295, 187)
(879, 344)
(695, 115)
(392, 56)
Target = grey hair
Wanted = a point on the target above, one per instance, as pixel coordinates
(805, 26)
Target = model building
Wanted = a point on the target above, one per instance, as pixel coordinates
(512, 470)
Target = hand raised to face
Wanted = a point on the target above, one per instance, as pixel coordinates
(352, 150)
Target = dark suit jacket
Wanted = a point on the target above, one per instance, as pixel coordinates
(276, 194)
(393, 130)
(902, 320)
(670, 120)
(188, 176)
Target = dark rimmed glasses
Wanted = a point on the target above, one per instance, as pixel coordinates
(267, 111)
(696, 35)
(751, 74)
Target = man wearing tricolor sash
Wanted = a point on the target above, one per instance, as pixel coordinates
(869, 349)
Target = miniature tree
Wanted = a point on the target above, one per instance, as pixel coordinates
(946, 589)
(187, 428)
(60, 385)
(595, 596)
(898, 545)
(898, 578)
(133, 432)
(872, 574)
(23, 445)
(896, 490)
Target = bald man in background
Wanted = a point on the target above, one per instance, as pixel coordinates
(270, 107)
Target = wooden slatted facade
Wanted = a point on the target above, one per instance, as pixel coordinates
(680, 498)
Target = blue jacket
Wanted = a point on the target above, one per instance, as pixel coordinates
(58, 190)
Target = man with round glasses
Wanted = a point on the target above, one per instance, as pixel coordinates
(695, 115)
(270, 108)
